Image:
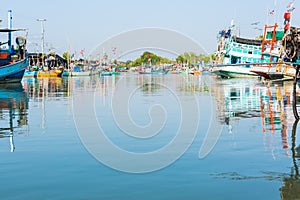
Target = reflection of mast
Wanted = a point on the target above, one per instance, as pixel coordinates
(11, 139)
(43, 108)
(271, 109)
(13, 102)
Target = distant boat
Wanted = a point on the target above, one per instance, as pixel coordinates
(109, 73)
(151, 70)
(30, 74)
(79, 71)
(72, 73)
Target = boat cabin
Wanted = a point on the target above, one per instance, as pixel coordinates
(8, 52)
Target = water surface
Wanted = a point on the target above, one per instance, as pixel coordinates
(256, 155)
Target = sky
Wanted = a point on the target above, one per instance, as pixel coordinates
(74, 25)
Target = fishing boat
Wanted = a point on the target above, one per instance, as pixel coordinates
(50, 73)
(13, 60)
(276, 69)
(109, 73)
(236, 56)
(79, 70)
(152, 70)
(289, 37)
(147, 70)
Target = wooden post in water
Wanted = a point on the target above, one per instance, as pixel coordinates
(294, 131)
(294, 93)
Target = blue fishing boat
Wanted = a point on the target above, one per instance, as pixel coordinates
(13, 60)
(235, 55)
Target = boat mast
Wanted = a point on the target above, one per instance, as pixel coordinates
(9, 26)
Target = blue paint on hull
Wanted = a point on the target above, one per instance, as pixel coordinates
(13, 72)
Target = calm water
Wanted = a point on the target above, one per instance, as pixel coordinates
(252, 155)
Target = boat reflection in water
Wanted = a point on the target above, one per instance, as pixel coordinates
(247, 98)
(239, 99)
(13, 111)
(291, 184)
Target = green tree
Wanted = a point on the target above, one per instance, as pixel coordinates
(192, 58)
(187, 57)
(180, 59)
(148, 57)
(67, 56)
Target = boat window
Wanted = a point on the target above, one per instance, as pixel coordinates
(235, 60)
(250, 52)
(234, 93)
(274, 59)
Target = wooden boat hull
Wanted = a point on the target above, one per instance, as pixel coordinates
(234, 72)
(274, 72)
(270, 75)
(49, 74)
(87, 73)
(13, 72)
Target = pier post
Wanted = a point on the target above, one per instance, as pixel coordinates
(294, 93)
(294, 131)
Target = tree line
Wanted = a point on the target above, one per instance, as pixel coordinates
(149, 58)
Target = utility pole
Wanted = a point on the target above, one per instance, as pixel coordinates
(43, 33)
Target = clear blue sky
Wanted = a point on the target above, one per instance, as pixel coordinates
(85, 24)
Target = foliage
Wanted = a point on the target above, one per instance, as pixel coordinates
(192, 58)
(148, 58)
(187, 57)
(67, 56)
(260, 37)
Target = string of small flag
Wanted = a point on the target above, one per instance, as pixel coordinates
(81, 52)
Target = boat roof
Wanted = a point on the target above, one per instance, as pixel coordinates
(247, 41)
(7, 30)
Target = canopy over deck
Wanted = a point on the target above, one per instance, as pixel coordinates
(6, 30)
